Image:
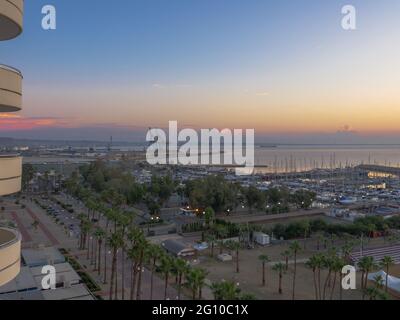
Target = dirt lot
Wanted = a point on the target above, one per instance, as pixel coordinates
(250, 276)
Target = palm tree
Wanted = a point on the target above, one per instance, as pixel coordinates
(225, 290)
(366, 265)
(314, 263)
(115, 241)
(337, 267)
(328, 263)
(125, 220)
(280, 268)
(100, 235)
(141, 247)
(294, 248)
(195, 281)
(286, 254)
(154, 253)
(264, 260)
(182, 268)
(235, 246)
(386, 263)
(211, 240)
(166, 266)
(133, 256)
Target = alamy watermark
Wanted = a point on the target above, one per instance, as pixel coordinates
(349, 20)
(49, 20)
(211, 147)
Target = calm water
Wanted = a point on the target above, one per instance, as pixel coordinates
(289, 158)
(300, 158)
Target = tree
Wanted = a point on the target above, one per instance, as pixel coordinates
(35, 224)
(28, 172)
(210, 238)
(234, 246)
(195, 280)
(286, 255)
(209, 216)
(366, 264)
(386, 263)
(264, 260)
(295, 248)
(182, 268)
(315, 263)
(254, 198)
(115, 241)
(100, 234)
(154, 254)
(165, 267)
(303, 199)
(280, 268)
(225, 290)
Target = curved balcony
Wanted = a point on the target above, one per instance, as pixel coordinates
(10, 89)
(10, 254)
(10, 174)
(11, 18)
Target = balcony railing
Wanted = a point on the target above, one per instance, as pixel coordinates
(10, 174)
(10, 253)
(10, 89)
(11, 18)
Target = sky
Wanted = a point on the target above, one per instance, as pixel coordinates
(284, 68)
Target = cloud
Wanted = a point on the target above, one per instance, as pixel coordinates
(11, 122)
(262, 94)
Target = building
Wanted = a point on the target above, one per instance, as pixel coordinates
(11, 22)
(178, 248)
(27, 285)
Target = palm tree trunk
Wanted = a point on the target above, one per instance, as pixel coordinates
(114, 261)
(166, 286)
(105, 264)
(99, 258)
(326, 284)
(88, 248)
(123, 274)
(319, 283)
(133, 280)
(341, 286)
(333, 285)
(139, 284)
(263, 274)
(152, 278)
(315, 284)
(92, 252)
(116, 277)
(387, 278)
(294, 276)
(237, 261)
(138, 290)
(179, 285)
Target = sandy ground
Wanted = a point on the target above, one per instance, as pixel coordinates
(250, 276)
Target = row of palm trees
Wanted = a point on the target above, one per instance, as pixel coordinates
(121, 238)
(282, 268)
(332, 263)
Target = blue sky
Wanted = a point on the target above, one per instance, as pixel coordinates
(140, 63)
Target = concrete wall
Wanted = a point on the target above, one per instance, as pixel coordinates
(11, 18)
(10, 255)
(10, 89)
(10, 175)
